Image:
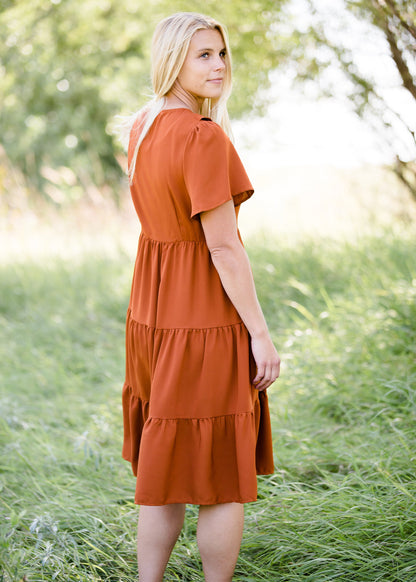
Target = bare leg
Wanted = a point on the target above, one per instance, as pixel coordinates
(220, 529)
(158, 529)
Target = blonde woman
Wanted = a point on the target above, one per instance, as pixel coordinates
(198, 350)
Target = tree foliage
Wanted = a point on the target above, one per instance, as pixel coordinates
(382, 89)
(68, 66)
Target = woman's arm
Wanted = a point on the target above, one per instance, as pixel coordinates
(232, 263)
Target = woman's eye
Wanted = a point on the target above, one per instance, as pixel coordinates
(206, 55)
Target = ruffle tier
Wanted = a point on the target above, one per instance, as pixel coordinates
(175, 285)
(195, 429)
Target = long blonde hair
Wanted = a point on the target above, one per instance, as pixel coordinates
(170, 46)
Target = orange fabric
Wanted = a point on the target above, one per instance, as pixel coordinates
(195, 429)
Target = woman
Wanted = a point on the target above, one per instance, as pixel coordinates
(199, 354)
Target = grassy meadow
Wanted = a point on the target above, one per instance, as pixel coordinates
(342, 502)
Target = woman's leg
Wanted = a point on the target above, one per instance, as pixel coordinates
(220, 529)
(158, 529)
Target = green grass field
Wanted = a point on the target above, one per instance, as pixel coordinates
(342, 502)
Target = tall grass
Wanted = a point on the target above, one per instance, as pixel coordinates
(341, 504)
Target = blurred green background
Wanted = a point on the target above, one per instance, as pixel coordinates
(67, 67)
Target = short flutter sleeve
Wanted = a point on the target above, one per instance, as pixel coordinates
(213, 171)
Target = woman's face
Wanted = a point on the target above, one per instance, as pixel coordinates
(202, 74)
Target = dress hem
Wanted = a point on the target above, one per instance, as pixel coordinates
(187, 502)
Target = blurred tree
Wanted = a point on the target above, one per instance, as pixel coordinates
(373, 43)
(68, 66)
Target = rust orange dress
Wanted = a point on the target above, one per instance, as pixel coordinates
(195, 429)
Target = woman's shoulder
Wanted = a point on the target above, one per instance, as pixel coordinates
(185, 117)
(203, 130)
(190, 120)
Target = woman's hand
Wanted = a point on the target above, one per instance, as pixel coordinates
(267, 361)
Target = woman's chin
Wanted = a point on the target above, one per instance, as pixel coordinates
(213, 94)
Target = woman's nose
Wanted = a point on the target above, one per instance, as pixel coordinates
(220, 64)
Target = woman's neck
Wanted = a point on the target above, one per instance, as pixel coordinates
(178, 97)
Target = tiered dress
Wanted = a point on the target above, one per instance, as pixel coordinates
(195, 429)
